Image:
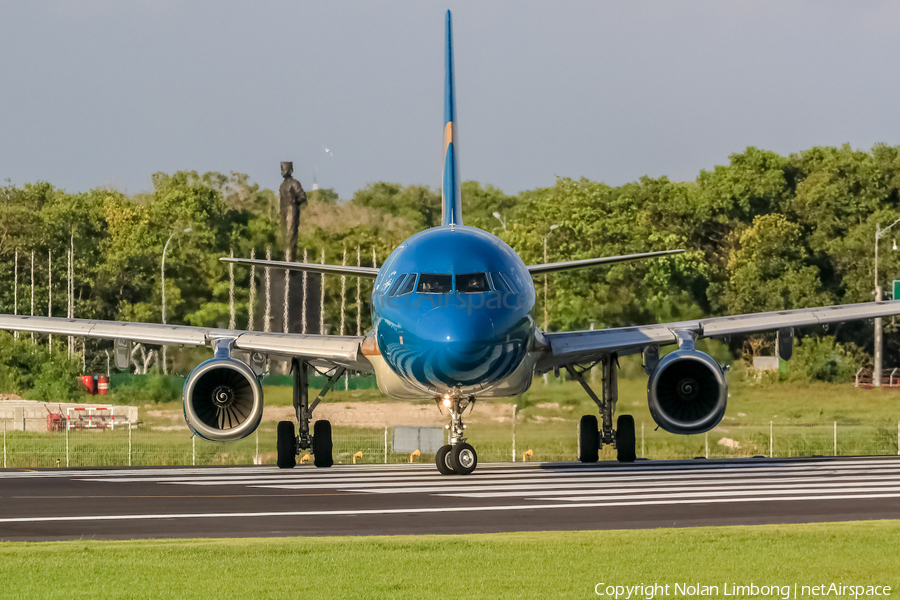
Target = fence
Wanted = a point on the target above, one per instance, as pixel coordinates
(145, 445)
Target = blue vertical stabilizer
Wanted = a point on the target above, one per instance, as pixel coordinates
(451, 203)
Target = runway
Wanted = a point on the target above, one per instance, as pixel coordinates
(414, 499)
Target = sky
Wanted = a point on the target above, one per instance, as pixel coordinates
(106, 93)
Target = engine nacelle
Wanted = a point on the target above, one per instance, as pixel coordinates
(223, 400)
(687, 392)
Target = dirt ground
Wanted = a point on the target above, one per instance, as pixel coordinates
(362, 414)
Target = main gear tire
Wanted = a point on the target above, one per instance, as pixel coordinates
(286, 445)
(322, 448)
(625, 439)
(588, 439)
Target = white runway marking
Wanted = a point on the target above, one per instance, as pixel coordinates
(400, 511)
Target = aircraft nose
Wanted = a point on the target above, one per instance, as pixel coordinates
(458, 326)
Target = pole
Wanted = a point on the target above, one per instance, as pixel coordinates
(67, 439)
(835, 438)
(876, 375)
(305, 304)
(287, 290)
(385, 444)
(706, 442)
(162, 272)
(50, 294)
(642, 440)
(358, 297)
(546, 313)
(4, 444)
(256, 456)
(129, 444)
(232, 323)
(322, 299)
(514, 432)
(267, 317)
(69, 298)
(771, 440)
(252, 301)
(343, 289)
(15, 306)
(32, 290)
(193, 450)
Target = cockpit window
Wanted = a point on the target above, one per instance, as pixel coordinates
(501, 284)
(471, 283)
(435, 283)
(409, 286)
(397, 285)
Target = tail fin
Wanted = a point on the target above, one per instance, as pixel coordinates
(451, 202)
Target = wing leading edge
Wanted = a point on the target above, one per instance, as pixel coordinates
(321, 350)
(594, 262)
(575, 346)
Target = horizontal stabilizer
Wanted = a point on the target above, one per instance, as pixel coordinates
(594, 262)
(309, 267)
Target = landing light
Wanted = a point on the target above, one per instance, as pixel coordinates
(446, 401)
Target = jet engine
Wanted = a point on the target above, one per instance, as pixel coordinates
(223, 400)
(687, 392)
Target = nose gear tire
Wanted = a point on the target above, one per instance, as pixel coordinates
(463, 458)
(322, 456)
(442, 459)
(588, 439)
(286, 444)
(625, 439)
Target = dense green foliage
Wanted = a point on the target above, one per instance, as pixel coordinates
(27, 367)
(764, 232)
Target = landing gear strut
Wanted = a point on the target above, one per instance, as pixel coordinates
(591, 439)
(457, 457)
(318, 443)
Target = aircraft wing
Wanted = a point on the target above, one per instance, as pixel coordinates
(594, 262)
(326, 351)
(584, 346)
(302, 266)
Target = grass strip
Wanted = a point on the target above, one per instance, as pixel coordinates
(495, 566)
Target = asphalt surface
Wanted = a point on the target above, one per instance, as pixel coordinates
(415, 499)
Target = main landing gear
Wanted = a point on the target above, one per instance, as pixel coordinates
(289, 444)
(592, 438)
(457, 457)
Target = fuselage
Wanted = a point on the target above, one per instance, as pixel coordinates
(451, 311)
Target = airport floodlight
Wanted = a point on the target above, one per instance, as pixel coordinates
(552, 227)
(500, 218)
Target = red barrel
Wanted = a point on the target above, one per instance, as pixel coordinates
(102, 385)
(88, 382)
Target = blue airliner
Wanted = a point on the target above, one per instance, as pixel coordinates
(452, 321)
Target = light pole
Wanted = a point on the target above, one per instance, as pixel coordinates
(546, 314)
(500, 218)
(876, 375)
(162, 270)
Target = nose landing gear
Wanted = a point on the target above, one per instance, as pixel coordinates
(457, 457)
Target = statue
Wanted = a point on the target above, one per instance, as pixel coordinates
(292, 198)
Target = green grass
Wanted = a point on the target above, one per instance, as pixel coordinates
(497, 566)
(802, 417)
